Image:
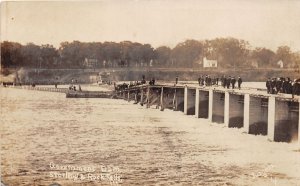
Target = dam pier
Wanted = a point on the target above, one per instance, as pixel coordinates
(252, 110)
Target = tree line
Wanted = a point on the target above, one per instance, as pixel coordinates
(229, 52)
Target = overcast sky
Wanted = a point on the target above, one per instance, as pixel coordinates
(264, 23)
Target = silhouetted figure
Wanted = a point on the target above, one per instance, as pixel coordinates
(240, 81)
(202, 80)
(199, 80)
(143, 80)
(278, 85)
(296, 88)
(224, 81)
(285, 85)
(233, 80)
(268, 85)
(273, 86)
(228, 80)
(153, 81)
(176, 80)
(208, 81)
(289, 87)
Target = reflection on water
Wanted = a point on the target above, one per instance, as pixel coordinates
(148, 146)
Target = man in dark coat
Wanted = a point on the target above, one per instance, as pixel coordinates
(228, 82)
(268, 85)
(285, 85)
(208, 80)
(289, 87)
(233, 80)
(202, 80)
(273, 85)
(278, 85)
(224, 81)
(296, 88)
(143, 80)
(239, 82)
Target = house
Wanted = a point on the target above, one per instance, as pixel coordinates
(254, 64)
(209, 63)
(90, 63)
(280, 63)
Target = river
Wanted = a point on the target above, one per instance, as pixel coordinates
(45, 136)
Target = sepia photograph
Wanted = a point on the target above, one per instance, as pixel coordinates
(150, 92)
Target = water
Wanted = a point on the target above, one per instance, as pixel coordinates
(149, 147)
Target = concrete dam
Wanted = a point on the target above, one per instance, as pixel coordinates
(252, 110)
(256, 112)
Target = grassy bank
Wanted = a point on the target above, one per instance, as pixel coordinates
(50, 76)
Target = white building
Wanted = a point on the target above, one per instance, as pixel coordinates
(90, 63)
(209, 63)
(280, 63)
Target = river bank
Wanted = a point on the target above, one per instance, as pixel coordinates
(65, 76)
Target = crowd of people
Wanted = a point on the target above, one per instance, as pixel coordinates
(274, 85)
(226, 82)
(283, 85)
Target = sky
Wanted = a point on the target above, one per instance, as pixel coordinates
(264, 23)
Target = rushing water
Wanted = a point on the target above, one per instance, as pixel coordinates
(143, 146)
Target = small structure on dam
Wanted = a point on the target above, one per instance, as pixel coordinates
(256, 112)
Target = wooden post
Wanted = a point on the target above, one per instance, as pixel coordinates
(197, 103)
(271, 118)
(128, 95)
(210, 105)
(226, 109)
(162, 99)
(246, 113)
(135, 97)
(185, 109)
(148, 96)
(175, 100)
(142, 96)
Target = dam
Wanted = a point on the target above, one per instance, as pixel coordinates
(253, 110)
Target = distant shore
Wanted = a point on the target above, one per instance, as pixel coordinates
(64, 76)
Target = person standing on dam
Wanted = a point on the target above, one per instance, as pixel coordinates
(208, 81)
(239, 82)
(278, 85)
(143, 80)
(268, 85)
(233, 81)
(228, 80)
(289, 86)
(176, 80)
(202, 80)
(224, 81)
(273, 85)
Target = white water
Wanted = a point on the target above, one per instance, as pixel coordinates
(149, 147)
